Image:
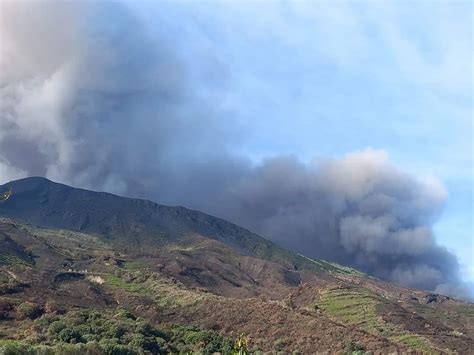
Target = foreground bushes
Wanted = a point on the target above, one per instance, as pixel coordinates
(11, 347)
(91, 332)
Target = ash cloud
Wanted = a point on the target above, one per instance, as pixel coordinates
(359, 210)
(114, 105)
(95, 99)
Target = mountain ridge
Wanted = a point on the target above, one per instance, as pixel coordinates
(132, 218)
(65, 250)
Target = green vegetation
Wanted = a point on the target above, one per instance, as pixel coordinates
(73, 269)
(135, 265)
(269, 251)
(206, 341)
(412, 340)
(354, 349)
(66, 242)
(130, 286)
(466, 310)
(93, 332)
(330, 267)
(164, 292)
(357, 307)
(13, 260)
(352, 306)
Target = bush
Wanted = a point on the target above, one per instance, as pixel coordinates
(56, 327)
(124, 314)
(207, 341)
(70, 335)
(12, 347)
(145, 329)
(112, 347)
(29, 310)
(354, 349)
(90, 332)
(114, 330)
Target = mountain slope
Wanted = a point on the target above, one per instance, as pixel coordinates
(125, 221)
(64, 249)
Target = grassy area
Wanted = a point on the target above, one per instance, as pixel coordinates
(466, 310)
(168, 295)
(412, 340)
(64, 237)
(13, 260)
(269, 251)
(164, 292)
(333, 267)
(135, 265)
(133, 287)
(354, 307)
(358, 307)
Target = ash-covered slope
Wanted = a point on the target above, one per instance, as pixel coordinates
(40, 201)
(171, 265)
(133, 223)
(45, 203)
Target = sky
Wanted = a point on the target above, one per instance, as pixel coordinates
(319, 79)
(237, 96)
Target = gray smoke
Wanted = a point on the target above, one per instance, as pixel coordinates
(93, 97)
(359, 210)
(89, 96)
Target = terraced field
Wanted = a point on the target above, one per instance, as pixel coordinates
(358, 307)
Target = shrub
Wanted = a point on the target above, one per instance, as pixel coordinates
(90, 332)
(70, 335)
(56, 327)
(354, 349)
(145, 328)
(112, 347)
(29, 310)
(12, 347)
(114, 330)
(208, 341)
(124, 314)
(138, 341)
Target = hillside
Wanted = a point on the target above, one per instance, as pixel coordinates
(169, 279)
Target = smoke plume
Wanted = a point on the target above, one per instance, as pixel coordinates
(93, 97)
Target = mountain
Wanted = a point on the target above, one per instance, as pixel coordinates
(84, 271)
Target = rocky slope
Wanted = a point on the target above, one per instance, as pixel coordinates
(63, 250)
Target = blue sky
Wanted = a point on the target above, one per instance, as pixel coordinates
(321, 79)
